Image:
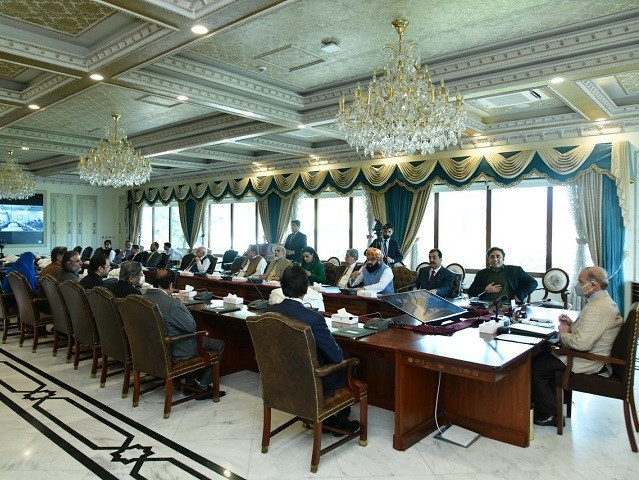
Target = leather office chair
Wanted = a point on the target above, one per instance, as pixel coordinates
(556, 281)
(86, 254)
(85, 331)
(422, 265)
(113, 340)
(335, 261)
(460, 275)
(236, 266)
(399, 264)
(331, 272)
(187, 261)
(292, 380)
(227, 259)
(151, 350)
(619, 385)
(98, 251)
(403, 277)
(164, 260)
(61, 321)
(213, 260)
(8, 312)
(29, 307)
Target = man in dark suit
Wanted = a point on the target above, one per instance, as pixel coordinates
(153, 261)
(99, 267)
(389, 247)
(295, 242)
(436, 279)
(295, 285)
(178, 321)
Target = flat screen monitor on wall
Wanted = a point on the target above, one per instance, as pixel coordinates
(22, 221)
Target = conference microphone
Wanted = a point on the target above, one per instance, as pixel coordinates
(188, 269)
(496, 304)
(258, 304)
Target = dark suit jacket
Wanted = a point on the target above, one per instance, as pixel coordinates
(393, 250)
(327, 349)
(443, 281)
(153, 261)
(519, 282)
(91, 280)
(122, 288)
(295, 243)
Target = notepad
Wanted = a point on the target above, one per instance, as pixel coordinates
(457, 435)
(511, 337)
(354, 332)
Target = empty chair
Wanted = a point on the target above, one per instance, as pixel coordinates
(403, 278)
(86, 254)
(213, 260)
(556, 281)
(236, 266)
(227, 259)
(113, 340)
(151, 350)
(331, 272)
(292, 380)
(619, 385)
(460, 275)
(8, 312)
(85, 331)
(29, 307)
(187, 261)
(61, 320)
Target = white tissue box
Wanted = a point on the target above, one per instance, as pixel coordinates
(233, 300)
(366, 293)
(350, 319)
(215, 275)
(239, 279)
(273, 283)
(317, 288)
(489, 327)
(186, 273)
(188, 293)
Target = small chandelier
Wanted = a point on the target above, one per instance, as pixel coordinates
(402, 111)
(115, 163)
(14, 183)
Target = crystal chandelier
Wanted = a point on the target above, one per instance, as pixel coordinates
(402, 112)
(14, 183)
(115, 163)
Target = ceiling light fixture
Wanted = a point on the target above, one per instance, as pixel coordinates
(115, 163)
(329, 46)
(557, 80)
(403, 112)
(199, 29)
(301, 126)
(97, 77)
(600, 119)
(33, 106)
(476, 134)
(182, 98)
(24, 148)
(14, 183)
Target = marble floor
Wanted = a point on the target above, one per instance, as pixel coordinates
(57, 423)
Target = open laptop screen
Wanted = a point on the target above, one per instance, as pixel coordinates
(424, 306)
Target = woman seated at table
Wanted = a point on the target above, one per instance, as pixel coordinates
(314, 268)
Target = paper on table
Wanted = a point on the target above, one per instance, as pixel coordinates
(511, 337)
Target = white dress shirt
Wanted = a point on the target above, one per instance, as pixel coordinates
(312, 297)
(202, 264)
(385, 279)
(343, 282)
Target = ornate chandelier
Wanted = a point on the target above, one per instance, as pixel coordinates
(115, 163)
(14, 183)
(402, 111)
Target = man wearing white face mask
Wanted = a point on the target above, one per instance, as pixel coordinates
(594, 331)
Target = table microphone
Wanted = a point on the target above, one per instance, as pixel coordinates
(258, 304)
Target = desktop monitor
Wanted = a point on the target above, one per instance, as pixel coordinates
(424, 306)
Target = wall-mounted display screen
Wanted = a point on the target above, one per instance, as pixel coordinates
(22, 221)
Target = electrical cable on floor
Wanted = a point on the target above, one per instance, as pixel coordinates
(439, 381)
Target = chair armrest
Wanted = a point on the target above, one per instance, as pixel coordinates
(5, 295)
(39, 303)
(175, 338)
(333, 367)
(589, 356)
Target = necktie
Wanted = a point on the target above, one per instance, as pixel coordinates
(385, 248)
(431, 279)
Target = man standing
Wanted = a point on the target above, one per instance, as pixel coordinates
(436, 279)
(155, 258)
(295, 242)
(277, 265)
(594, 332)
(295, 285)
(254, 263)
(178, 320)
(71, 266)
(99, 267)
(377, 276)
(108, 250)
(501, 280)
(347, 271)
(202, 263)
(389, 247)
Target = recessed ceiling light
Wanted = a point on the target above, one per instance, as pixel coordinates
(24, 148)
(199, 29)
(182, 98)
(556, 80)
(600, 119)
(33, 106)
(301, 125)
(97, 77)
(476, 134)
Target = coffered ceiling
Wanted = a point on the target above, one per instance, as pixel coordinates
(260, 73)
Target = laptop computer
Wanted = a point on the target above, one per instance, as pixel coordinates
(424, 306)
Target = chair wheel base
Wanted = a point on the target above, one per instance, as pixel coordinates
(363, 443)
(166, 415)
(102, 385)
(313, 468)
(264, 449)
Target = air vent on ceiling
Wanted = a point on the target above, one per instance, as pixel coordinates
(517, 99)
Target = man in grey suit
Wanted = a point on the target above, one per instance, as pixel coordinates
(71, 265)
(178, 321)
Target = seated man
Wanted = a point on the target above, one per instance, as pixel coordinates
(594, 331)
(501, 280)
(277, 265)
(436, 279)
(174, 256)
(98, 270)
(129, 280)
(136, 254)
(178, 320)
(348, 270)
(312, 298)
(54, 268)
(201, 263)
(376, 276)
(254, 263)
(154, 259)
(295, 285)
(71, 266)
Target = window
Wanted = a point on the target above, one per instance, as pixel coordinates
(332, 227)
(146, 228)
(244, 232)
(564, 233)
(160, 224)
(360, 226)
(306, 215)
(177, 236)
(219, 228)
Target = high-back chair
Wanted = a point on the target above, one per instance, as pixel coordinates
(8, 312)
(619, 385)
(151, 350)
(556, 281)
(403, 277)
(236, 266)
(86, 254)
(292, 381)
(187, 261)
(61, 321)
(334, 260)
(29, 307)
(227, 259)
(213, 260)
(113, 340)
(422, 265)
(460, 275)
(85, 331)
(331, 272)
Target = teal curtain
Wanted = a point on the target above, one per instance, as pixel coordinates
(398, 201)
(274, 203)
(191, 215)
(612, 240)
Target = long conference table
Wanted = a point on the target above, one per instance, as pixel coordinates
(479, 384)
